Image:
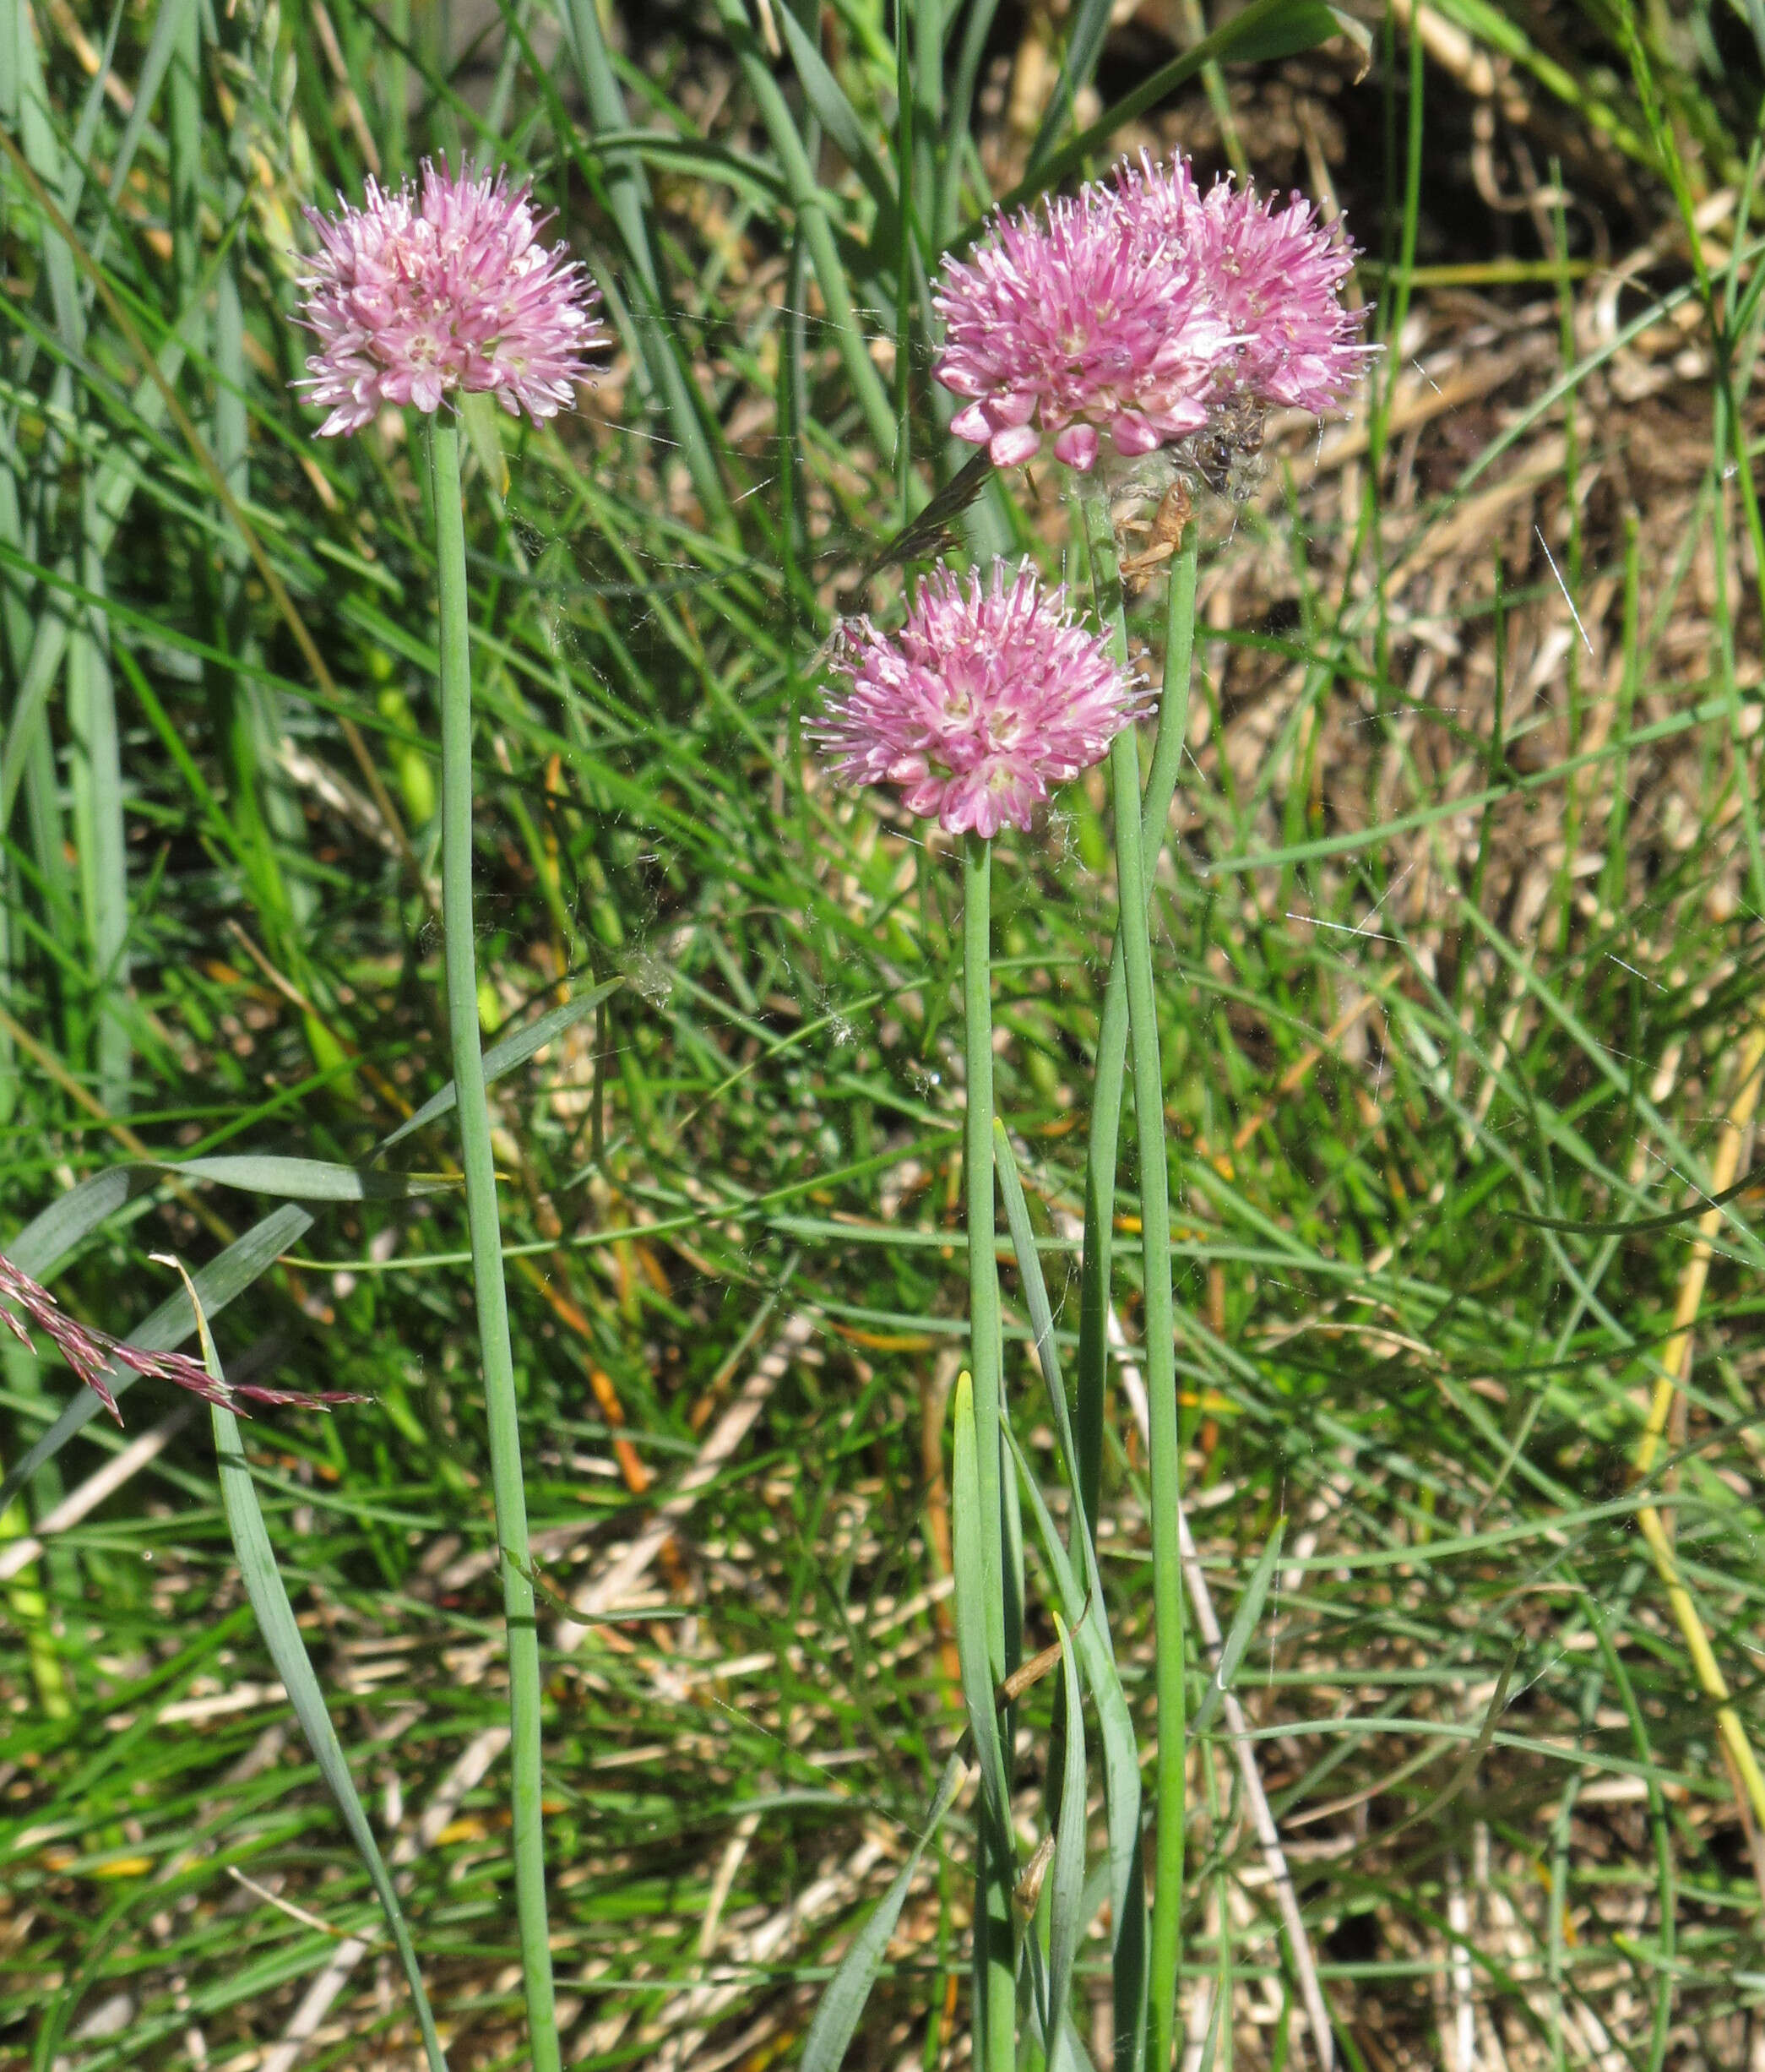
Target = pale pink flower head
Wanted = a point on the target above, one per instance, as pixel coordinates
(1272, 273)
(986, 699)
(1067, 324)
(421, 294)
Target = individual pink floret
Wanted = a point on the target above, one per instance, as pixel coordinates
(1274, 273)
(1065, 323)
(986, 699)
(414, 296)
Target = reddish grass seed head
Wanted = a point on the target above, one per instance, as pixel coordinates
(92, 1354)
(1067, 323)
(1272, 273)
(422, 293)
(987, 698)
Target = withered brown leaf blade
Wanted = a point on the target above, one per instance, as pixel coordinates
(929, 533)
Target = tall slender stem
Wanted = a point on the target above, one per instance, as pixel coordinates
(484, 1221)
(983, 1262)
(995, 1938)
(1135, 942)
(1167, 755)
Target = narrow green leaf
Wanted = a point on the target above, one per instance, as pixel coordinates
(840, 120)
(504, 1057)
(971, 1618)
(1089, 25)
(842, 320)
(1065, 1909)
(281, 1633)
(306, 1179)
(100, 843)
(1041, 1324)
(1267, 29)
(479, 414)
(1637, 1225)
(170, 21)
(50, 1235)
(1070, 2053)
(837, 2018)
(628, 198)
(1238, 1636)
(114, 488)
(1089, 1623)
(47, 1239)
(251, 1173)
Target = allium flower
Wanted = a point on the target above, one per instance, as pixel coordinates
(985, 700)
(415, 295)
(93, 1354)
(1069, 323)
(1273, 275)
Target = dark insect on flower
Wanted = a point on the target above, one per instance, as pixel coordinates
(94, 1356)
(1228, 456)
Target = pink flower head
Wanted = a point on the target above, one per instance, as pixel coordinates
(1069, 323)
(1273, 275)
(95, 1355)
(415, 295)
(985, 700)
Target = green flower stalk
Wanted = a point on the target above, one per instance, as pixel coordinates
(1130, 976)
(987, 698)
(413, 299)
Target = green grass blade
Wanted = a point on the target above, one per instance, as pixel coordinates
(1239, 1634)
(1089, 25)
(171, 27)
(842, 2006)
(1041, 1325)
(114, 483)
(976, 1610)
(861, 370)
(1092, 1374)
(844, 125)
(1066, 1924)
(281, 1633)
(628, 197)
(504, 1057)
(974, 1616)
(306, 1179)
(1088, 1621)
(39, 1247)
(100, 843)
(1265, 30)
(1160, 1328)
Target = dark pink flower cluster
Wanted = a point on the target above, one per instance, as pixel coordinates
(985, 700)
(415, 295)
(93, 1354)
(1143, 309)
(1274, 276)
(1068, 324)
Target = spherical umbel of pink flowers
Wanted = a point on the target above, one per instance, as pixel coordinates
(1067, 323)
(422, 294)
(986, 699)
(1272, 273)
